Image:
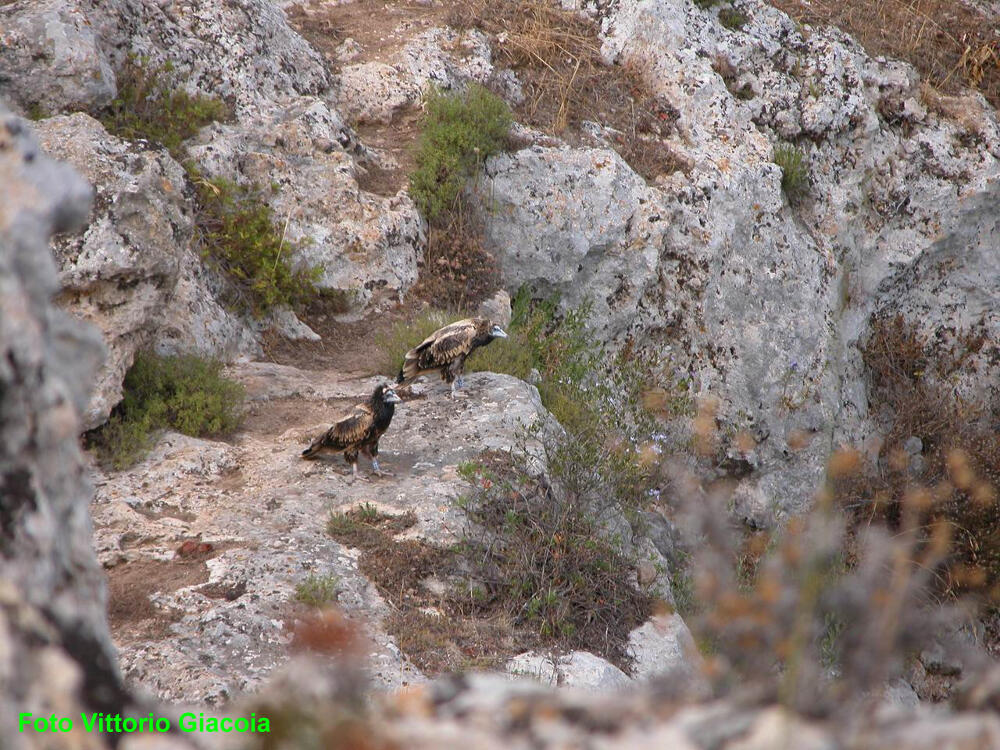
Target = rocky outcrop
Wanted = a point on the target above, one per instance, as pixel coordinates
(590, 230)
(366, 245)
(242, 52)
(52, 58)
(763, 303)
(262, 511)
(57, 652)
(132, 271)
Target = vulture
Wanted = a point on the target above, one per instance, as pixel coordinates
(359, 431)
(445, 351)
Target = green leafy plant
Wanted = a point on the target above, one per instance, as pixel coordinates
(238, 232)
(151, 105)
(546, 557)
(186, 393)
(794, 171)
(459, 132)
(732, 18)
(317, 591)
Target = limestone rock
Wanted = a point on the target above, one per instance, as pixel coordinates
(577, 669)
(242, 52)
(366, 245)
(55, 647)
(663, 647)
(263, 511)
(131, 270)
(589, 229)
(52, 59)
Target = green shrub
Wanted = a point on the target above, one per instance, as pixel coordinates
(545, 557)
(237, 231)
(150, 105)
(732, 18)
(317, 591)
(794, 171)
(186, 393)
(459, 132)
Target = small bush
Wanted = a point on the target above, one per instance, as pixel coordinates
(732, 18)
(186, 393)
(794, 171)
(459, 132)
(151, 106)
(815, 617)
(237, 231)
(317, 591)
(545, 557)
(957, 459)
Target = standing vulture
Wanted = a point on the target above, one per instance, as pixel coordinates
(445, 351)
(359, 430)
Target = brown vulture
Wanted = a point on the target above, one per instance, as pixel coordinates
(359, 431)
(445, 351)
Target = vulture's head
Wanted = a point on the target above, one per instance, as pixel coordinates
(386, 394)
(496, 332)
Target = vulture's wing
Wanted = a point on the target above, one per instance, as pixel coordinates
(350, 430)
(452, 342)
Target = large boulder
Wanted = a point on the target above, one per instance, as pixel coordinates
(52, 58)
(243, 52)
(366, 245)
(57, 651)
(578, 222)
(765, 302)
(131, 270)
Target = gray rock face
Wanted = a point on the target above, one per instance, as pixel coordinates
(131, 270)
(51, 58)
(762, 303)
(577, 669)
(663, 647)
(54, 640)
(579, 222)
(243, 52)
(367, 245)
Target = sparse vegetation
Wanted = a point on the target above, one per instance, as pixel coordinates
(546, 557)
(939, 465)
(459, 132)
(317, 591)
(457, 271)
(237, 231)
(794, 171)
(950, 43)
(186, 393)
(151, 105)
(557, 57)
(732, 18)
(810, 599)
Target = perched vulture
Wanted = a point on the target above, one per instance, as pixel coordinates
(445, 351)
(359, 431)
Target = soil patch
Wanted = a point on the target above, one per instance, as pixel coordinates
(131, 614)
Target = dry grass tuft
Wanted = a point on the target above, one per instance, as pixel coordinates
(940, 460)
(556, 55)
(457, 272)
(952, 44)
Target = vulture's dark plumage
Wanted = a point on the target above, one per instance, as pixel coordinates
(445, 351)
(360, 430)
